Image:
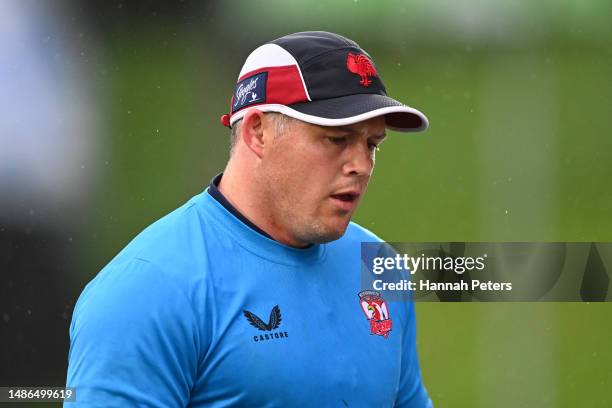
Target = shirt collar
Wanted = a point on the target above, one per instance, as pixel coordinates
(213, 190)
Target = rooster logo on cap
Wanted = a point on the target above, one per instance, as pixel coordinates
(361, 65)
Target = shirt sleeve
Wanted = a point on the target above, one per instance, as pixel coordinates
(134, 340)
(412, 392)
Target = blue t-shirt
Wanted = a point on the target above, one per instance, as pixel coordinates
(201, 310)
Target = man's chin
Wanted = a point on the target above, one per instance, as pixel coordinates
(329, 234)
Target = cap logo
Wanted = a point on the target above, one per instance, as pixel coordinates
(249, 91)
(361, 65)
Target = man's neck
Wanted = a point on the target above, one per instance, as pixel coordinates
(246, 196)
(213, 190)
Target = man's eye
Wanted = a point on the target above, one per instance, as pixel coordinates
(373, 147)
(337, 140)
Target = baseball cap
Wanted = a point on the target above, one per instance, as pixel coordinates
(320, 78)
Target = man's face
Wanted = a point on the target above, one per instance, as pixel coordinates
(316, 177)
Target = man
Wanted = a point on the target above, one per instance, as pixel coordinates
(249, 294)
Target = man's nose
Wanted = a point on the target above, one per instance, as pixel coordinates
(359, 160)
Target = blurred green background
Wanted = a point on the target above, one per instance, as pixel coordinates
(519, 99)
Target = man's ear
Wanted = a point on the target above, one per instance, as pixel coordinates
(252, 131)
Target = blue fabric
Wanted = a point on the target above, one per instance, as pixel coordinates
(165, 323)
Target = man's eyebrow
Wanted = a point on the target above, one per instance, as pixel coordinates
(347, 129)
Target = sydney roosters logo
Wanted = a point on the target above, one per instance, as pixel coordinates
(361, 65)
(376, 311)
(274, 322)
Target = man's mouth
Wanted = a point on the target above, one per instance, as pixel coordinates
(346, 197)
(346, 200)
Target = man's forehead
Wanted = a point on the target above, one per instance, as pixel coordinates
(371, 127)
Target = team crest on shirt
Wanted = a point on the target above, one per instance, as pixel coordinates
(377, 312)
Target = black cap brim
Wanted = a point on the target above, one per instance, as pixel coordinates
(351, 109)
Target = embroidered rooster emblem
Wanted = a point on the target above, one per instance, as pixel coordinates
(361, 65)
(273, 322)
(377, 312)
